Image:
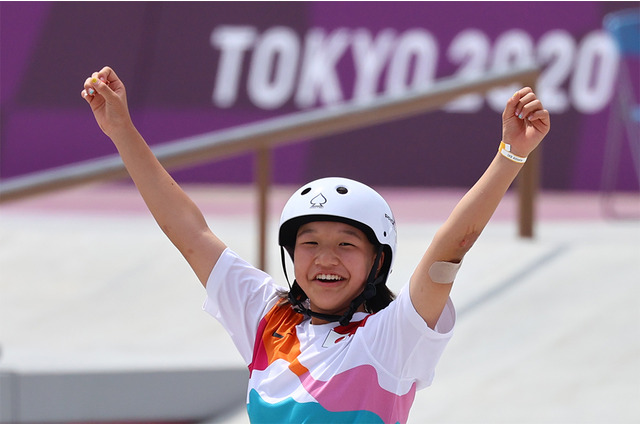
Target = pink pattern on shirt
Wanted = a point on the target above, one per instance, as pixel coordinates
(368, 394)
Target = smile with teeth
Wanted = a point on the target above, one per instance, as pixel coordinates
(328, 277)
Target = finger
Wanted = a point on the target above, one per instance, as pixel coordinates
(540, 115)
(525, 105)
(510, 108)
(99, 85)
(89, 90)
(513, 102)
(530, 108)
(103, 75)
(107, 75)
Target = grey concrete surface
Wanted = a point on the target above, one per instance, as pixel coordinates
(548, 329)
(176, 396)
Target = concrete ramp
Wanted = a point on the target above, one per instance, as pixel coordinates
(101, 320)
(120, 397)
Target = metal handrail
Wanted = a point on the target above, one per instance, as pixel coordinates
(264, 135)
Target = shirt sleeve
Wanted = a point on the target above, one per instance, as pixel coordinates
(402, 342)
(238, 296)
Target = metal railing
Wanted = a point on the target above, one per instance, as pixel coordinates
(262, 136)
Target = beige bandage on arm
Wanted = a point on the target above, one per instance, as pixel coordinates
(444, 272)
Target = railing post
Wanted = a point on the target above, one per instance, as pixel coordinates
(528, 181)
(263, 177)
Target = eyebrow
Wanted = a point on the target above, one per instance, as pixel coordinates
(347, 231)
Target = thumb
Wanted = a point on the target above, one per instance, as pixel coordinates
(103, 89)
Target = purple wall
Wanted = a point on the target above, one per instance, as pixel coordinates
(196, 67)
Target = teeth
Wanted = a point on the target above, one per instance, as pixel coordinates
(328, 277)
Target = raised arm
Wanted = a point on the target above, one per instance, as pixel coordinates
(176, 214)
(524, 124)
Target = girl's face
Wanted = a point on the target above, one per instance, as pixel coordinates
(332, 263)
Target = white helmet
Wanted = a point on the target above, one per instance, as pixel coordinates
(342, 200)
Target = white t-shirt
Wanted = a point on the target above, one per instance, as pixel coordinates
(365, 372)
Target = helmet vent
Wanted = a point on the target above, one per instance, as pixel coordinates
(341, 190)
(305, 191)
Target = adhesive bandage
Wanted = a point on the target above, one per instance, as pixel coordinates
(444, 272)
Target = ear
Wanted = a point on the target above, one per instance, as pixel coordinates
(380, 263)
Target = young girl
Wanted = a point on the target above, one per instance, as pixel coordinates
(336, 347)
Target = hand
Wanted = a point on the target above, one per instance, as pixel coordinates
(106, 95)
(524, 122)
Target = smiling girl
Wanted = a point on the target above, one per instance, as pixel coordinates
(337, 346)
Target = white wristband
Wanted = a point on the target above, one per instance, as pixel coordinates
(505, 149)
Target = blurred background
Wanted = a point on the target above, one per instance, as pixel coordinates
(99, 315)
(191, 68)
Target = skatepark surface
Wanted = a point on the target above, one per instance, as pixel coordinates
(548, 328)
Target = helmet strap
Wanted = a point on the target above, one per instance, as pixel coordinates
(369, 291)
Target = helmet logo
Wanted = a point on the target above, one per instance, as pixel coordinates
(390, 219)
(318, 201)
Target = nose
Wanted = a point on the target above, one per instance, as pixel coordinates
(326, 257)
